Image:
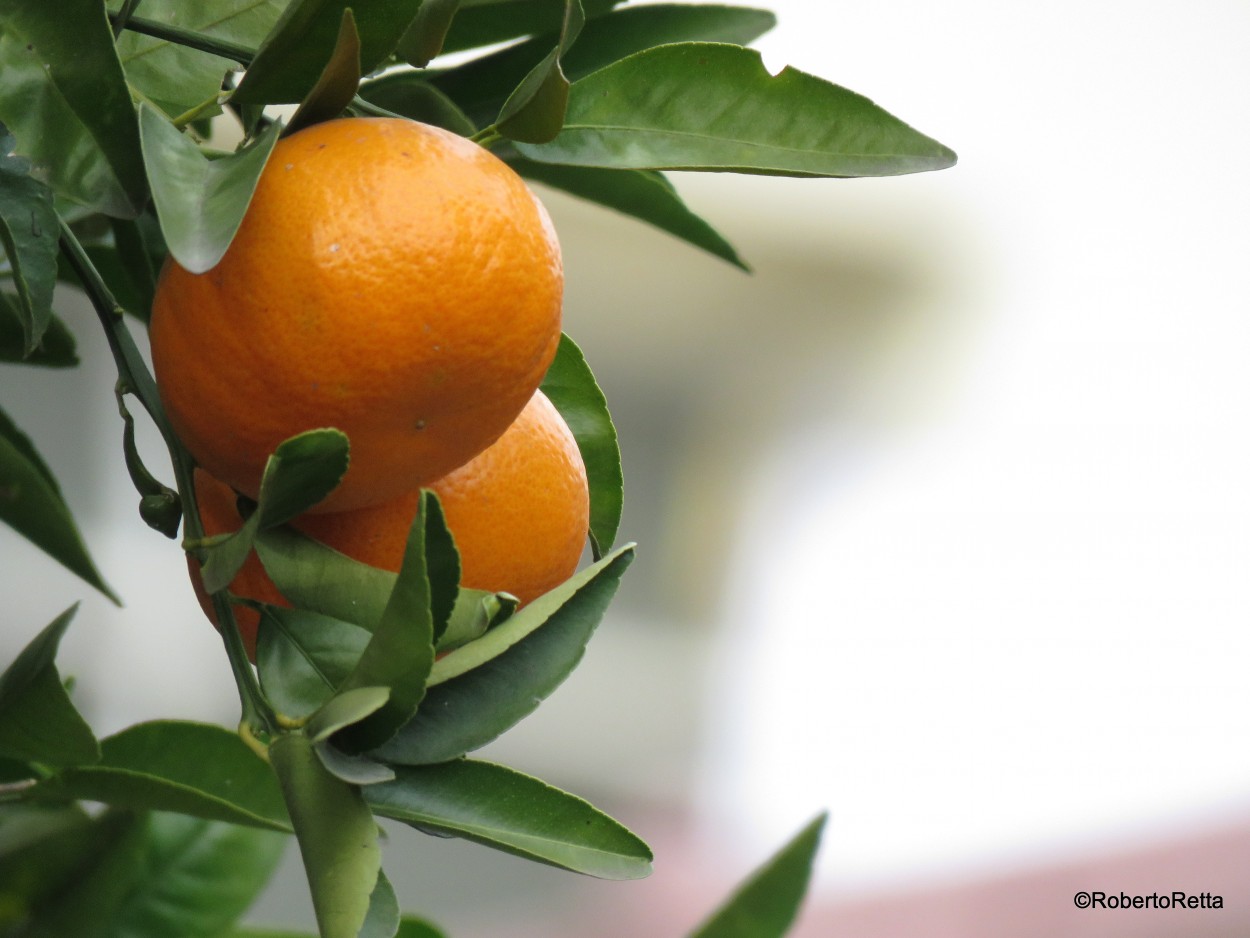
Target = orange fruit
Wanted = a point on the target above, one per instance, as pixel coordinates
(390, 279)
(519, 512)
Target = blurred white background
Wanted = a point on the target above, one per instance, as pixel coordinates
(942, 511)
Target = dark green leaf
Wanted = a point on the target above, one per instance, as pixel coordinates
(502, 808)
(766, 905)
(475, 612)
(164, 875)
(301, 472)
(291, 58)
(481, 86)
(480, 690)
(710, 106)
(401, 652)
(320, 579)
(304, 656)
(38, 722)
(572, 388)
(485, 22)
(201, 202)
(112, 855)
(177, 78)
(416, 928)
(199, 876)
(57, 348)
(534, 111)
(407, 94)
(170, 765)
(140, 249)
(65, 99)
(642, 194)
(28, 236)
(31, 504)
(337, 835)
(127, 265)
(337, 85)
(352, 768)
(344, 709)
(42, 849)
(442, 562)
(424, 38)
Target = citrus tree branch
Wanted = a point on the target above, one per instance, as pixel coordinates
(134, 378)
(186, 37)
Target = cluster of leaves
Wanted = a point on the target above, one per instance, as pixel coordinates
(366, 697)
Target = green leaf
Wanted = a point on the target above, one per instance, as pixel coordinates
(31, 504)
(401, 652)
(481, 86)
(766, 905)
(534, 112)
(344, 709)
(352, 768)
(128, 264)
(710, 106)
(199, 876)
(65, 99)
(424, 38)
(485, 22)
(302, 471)
(201, 202)
(163, 874)
(171, 765)
(642, 194)
(337, 836)
(28, 235)
(417, 928)
(571, 387)
(407, 94)
(475, 613)
(502, 808)
(480, 690)
(225, 556)
(111, 859)
(57, 348)
(291, 58)
(176, 78)
(382, 920)
(38, 722)
(42, 849)
(339, 79)
(320, 579)
(304, 656)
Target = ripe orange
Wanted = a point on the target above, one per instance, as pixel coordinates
(390, 279)
(519, 512)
